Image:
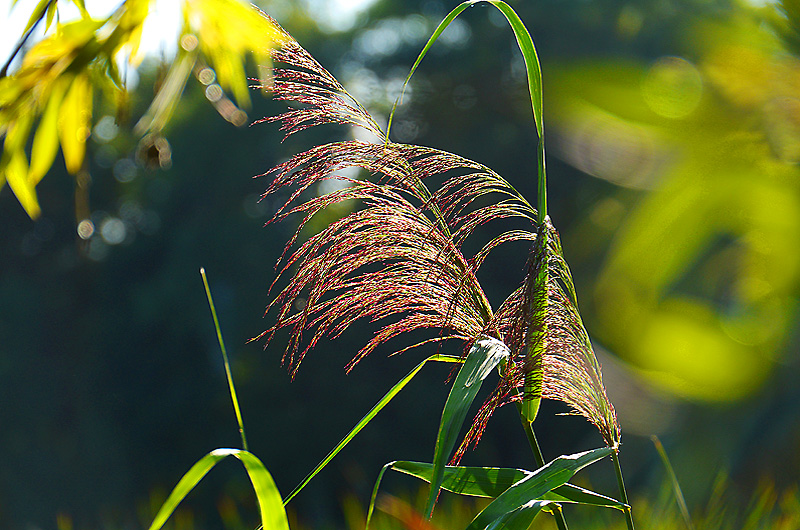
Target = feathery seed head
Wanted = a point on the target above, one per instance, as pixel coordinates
(398, 258)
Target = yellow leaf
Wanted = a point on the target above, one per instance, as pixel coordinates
(45, 142)
(38, 14)
(230, 74)
(229, 29)
(51, 13)
(16, 173)
(129, 29)
(74, 122)
(81, 4)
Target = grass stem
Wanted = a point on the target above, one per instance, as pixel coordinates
(527, 426)
(235, 400)
(623, 494)
(676, 487)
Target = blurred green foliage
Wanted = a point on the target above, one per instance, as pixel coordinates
(699, 285)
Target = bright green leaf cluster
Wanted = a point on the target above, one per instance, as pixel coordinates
(50, 97)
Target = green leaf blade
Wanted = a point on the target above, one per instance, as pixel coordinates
(367, 418)
(524, 41)
(482, 358)
(534, 486)
(45, 141)
(474, 481)
(271, 508)
(270, 505)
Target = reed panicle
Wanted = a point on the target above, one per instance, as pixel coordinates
(398, 258)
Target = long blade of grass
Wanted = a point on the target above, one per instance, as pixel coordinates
(493, 481)
(232, 388)
(368, 417)
(271, 509)
(524, 41)
(512, 507)
(375, 493)
(482, 358)
(676, 486)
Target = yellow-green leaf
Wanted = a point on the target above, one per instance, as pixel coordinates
(74, 121)
(45, 142)
(273, 515)
(38, 14)
(16, 173)
(51, 14)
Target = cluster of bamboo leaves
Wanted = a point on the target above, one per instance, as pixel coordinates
(49, 99)
(398, 260)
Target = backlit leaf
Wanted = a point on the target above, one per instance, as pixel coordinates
(38, 14)
(492, 481)
(14, 165)
(74, 122)
(51, 14)
(514, 505)
(16, 173)
(164, 103)
(273, 515)
(45, 142)
(526, 46)
(484, 355)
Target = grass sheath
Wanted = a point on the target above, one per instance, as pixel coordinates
(621, 483)
(228, 374)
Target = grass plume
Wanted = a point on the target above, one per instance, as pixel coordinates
(398, 258)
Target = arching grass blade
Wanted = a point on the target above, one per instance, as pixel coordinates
(273, 515)
(524, 41)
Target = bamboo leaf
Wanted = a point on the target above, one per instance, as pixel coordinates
(484, 355)
(51, 14)
(163, 104)
(45, 141)
(74, 120)
(514, 505)
(271, 509)
(81, 4)
(16, 173)
(367, 418)
(38, 14)
(493, 481)
(14, 164)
